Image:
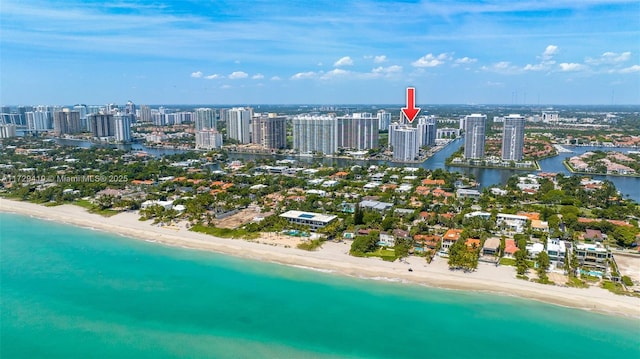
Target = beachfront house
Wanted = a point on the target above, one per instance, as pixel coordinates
(491, 247)
(593, 256)
(449, 238)
(386, 240)
(557, 250)
(510, 248)
(315, 221)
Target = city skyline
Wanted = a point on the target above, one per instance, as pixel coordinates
(496, 52)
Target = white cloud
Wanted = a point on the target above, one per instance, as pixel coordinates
(387, 70)
(572, 67)
(430, 60)
(334, 73)
(196, 75)
(238, 75)
(225, 86)
(628, 70)
(276, 78)
(609, 58)
(502, 67)
(550, 51)
(379, 59)
(257, 76)
(304, 75)
(465, 60)
(345, 61)
(214, 76)
(546, 60)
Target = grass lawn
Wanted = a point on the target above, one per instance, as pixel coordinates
(384, 253)
(224, 232)
(92, 209)
(507, 262)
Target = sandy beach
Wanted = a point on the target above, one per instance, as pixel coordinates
(334, 257)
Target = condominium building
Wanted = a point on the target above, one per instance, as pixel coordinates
(66, 122)
(102, 125)
(317, 134)
(204, 118)
(513, 138)
(122, 127)
(8, 130)
(208, 139)
(358, 131)
(474, 136)
(427, 131)
(238, 124)
(38, 121)
(269, 130)
(384, 119)
(403, 139)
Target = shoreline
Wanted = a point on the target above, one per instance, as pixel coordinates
(333, 258)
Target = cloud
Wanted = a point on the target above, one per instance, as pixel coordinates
(334, 73)
(214, 76)
(609, 58)
(196, 75)
(345, 61)
(379, 59)
(495, 84)
(276, 78)
(550, 51)
(430, 60)
(465, 60)
(628, 70)
(502, 67)
(546, 60)
(572, 67)
(225, 86)
(304, 75)
(387, 70)
(238, 75)
(257, 76)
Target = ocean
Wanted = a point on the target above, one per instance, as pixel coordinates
(68, 292)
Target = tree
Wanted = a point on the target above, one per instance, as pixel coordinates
(625, 235)
(358, 216)
(521, 262)
(543, 265)
(364, 244)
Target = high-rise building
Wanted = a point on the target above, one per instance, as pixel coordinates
(384, 120)
(474, 136)
(66, 122)
(84, 123)
(238, 124)
(208, 139)
(38, 121)
(403, 139)
(317, 134)
(8, 130)
(358, 131)
(205, 118)
(145, 113)
(102, 125)
(427, 130)
(269, 131)
(122, 127)
(513, 138)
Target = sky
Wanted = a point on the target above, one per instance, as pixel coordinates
(319, 52)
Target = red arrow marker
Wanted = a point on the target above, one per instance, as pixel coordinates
(411, 111)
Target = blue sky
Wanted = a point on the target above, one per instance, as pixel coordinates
(320, 52)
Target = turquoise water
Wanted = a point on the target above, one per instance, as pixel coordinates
(75, 293)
